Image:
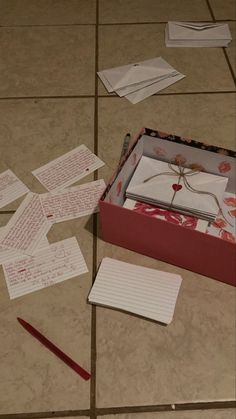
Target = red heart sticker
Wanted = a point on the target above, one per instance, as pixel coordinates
(176, 187)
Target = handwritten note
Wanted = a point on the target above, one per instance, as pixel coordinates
(27, 226)
(11, 188)
(10, 254)
(67, 169)
(143, 291)
(73, 202)
(57, 263)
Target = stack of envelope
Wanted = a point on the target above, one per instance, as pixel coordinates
(192, 34)
(140, 80)
(166, 190)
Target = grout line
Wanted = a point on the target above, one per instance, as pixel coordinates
(59, 25)
(167, 408)
(95, 226)
(113, 96)
(103, 411)
(110, 23)
(229, 65)
(210, 10)
(46, 415)
(8, 212)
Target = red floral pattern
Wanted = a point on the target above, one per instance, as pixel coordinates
(180, 159)
(231, 202)
(197, 166)
(226, 235)
(172, 217)
(161, 152)
(224, 167)
(118, 188)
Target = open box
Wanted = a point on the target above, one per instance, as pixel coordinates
(191, 249)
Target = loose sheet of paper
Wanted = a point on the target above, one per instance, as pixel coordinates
(10, 254)
(73, 202)
(58, 262)
(11, 188)
(27, 226)
(68, 169)
(143, 291)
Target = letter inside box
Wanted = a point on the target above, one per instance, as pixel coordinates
(193, 250)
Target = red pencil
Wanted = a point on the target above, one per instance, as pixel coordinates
(77, 368)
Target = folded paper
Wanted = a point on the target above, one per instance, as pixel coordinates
(141, 79)
(200, 34)
(167, 189)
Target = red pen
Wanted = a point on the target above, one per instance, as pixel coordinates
(72, 364)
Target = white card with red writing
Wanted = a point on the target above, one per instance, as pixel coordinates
(68, 169)
(27, 226)
(10, 254)
(58, 262)
(73, 202)
(224, 226)
(183, 220)
(11, 188)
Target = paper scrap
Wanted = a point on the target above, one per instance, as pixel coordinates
(27, 226)
(68, 169)
(136, 289)
(58, 262)
(10, 254)
(73, 202)
(11, 188)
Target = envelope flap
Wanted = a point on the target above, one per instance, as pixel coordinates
(123, 76)
(192, 31)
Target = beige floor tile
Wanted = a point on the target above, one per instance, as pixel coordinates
(41, 381)
(47, 61)
(191, 116)
(207, 414)
(141, 363)
(34, 132)
(223, 10)
(119, 11)
(231, 50)
(206, 69)
(147, 363)
(32, 12)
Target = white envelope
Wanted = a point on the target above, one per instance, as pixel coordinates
(160, 189)
(153, 88)
(197, 34)
(133, 74)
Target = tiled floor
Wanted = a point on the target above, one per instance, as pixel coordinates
(50, 102)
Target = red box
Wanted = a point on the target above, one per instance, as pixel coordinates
(178, 245)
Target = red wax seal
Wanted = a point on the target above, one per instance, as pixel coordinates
(176, 187)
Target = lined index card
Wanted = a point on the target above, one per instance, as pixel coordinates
(49, 266)
(136, 289)
(27, 226)
(68, 169)
(11, 188)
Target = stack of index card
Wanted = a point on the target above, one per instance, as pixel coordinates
(140, 80)
(192, 34)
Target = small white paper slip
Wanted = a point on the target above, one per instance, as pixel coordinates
(143, 291)
(73, 202)
(11, 254)
(68, 169)
(11, 188)
(27, 226)
(56, 263)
